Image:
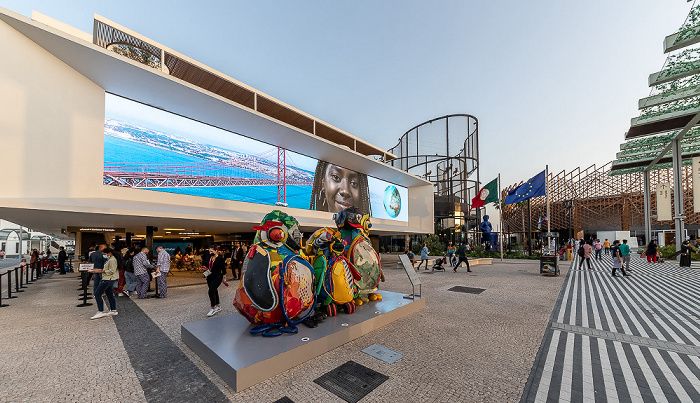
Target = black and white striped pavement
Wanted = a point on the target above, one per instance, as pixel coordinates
(626, 339)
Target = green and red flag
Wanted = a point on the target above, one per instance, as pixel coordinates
(487, 194)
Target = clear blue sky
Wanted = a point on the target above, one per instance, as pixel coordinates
(551, 82)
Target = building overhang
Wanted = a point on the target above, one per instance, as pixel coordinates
(127, 78)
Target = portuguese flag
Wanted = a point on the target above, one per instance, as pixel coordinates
(487, 194)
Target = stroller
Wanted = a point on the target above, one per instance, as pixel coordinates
(439, 263)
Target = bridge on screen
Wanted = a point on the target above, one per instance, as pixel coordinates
(233, 172)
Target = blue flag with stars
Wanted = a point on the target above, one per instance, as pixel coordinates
(535, 186)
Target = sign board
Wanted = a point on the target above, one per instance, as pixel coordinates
(696, 184)
(663, 201)
(86, 266)
(549, 265)
(412, 276)
(96, 229)
(410, 271)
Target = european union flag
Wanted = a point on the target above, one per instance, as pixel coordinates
(535, 186)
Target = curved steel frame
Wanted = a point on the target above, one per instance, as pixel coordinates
(448, 157)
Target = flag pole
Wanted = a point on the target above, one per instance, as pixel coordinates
(500, 213)
(546, 189)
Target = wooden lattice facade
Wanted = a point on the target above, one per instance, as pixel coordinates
(599, 202)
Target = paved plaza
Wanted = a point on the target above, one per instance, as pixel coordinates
(462, 347)
(627, 339)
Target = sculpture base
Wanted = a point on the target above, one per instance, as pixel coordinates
(243, 360)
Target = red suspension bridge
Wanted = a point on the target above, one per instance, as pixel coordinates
(243, 171)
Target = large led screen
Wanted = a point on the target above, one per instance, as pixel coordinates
(148, 148)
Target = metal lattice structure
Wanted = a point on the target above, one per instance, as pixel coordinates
(445, 151)
(592, 199)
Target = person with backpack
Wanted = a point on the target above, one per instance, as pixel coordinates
(462, 255)
(584, 252)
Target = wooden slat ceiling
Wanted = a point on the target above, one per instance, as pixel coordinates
(335, 136)
(195, 75)
(284, 114)
(202, 78)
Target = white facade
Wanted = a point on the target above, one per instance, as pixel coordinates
(52, 116)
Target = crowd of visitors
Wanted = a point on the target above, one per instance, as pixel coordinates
(621, 253)
(455, 256)
(124, 270)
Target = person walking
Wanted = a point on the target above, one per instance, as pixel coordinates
(625, 254)
(451, 249)
(598, 247)
(606, 245)
(237, 262)
(141, 266)
(162, 268)
(62, 257)
(423, 257)
(129, 276)
(217, 269)
(651, 252)
(34, 262)
(584, 252)
(617, 259)
(109, 274)
(462, 255)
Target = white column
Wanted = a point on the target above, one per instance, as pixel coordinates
(647, 207)
(678, 193)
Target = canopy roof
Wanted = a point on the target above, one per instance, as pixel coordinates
(5, 234)
(670, 110)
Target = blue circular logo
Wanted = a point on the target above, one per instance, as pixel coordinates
(392, 201)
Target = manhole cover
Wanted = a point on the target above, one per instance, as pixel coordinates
(284, 400)
(380, 352)
(351, 381)
(467, 290)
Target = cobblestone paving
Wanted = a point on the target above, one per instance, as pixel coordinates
(51, 351)
(462, 347)
(622, 339)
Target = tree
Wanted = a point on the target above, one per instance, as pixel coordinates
(435, 247)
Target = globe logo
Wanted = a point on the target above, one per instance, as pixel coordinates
(392, 201)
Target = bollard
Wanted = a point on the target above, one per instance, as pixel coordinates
(26, 275)
(17, 277)
(21, 278)
(9, 285)
(157, 294)
(1, 304)
(83, 276)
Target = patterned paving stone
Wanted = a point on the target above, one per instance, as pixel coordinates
(621, 338)
(462, 347)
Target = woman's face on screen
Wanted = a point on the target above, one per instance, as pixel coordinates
(342, 188)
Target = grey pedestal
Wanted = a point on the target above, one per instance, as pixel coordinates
(243, 360)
